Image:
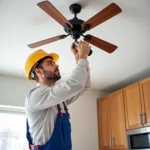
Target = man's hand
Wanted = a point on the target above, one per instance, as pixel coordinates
(83, 49)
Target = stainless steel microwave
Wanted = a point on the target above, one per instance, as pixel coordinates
(139, 139)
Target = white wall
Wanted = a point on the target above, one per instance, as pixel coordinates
(84, 122)
(13, 90)
(83, 111)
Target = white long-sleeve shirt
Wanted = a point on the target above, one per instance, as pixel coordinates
(41, 102)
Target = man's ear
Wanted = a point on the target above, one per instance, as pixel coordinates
(38, 71)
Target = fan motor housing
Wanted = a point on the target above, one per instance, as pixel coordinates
(75, 31)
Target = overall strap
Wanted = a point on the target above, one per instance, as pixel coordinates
(31, 146)
(34, 147)
(60, 110)
(28, 134)
(66, 109)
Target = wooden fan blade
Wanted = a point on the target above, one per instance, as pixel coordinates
(53, 12)
(108, 47)
(47, 41)
(105, 14)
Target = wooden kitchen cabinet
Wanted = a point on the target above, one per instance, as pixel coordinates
(111, 122)
(145, 99)
(137, 104)
(125, 109)
(104, 123)
(118, 120)
(133, 109)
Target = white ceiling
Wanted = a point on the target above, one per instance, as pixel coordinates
(23, 22)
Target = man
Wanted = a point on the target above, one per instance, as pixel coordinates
(48, 126)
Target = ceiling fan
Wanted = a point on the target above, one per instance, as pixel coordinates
(77, 27)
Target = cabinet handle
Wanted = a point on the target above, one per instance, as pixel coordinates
(141, 119)
(110, 142)
(144, 118)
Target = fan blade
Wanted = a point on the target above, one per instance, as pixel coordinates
(53, 12)
(105, 14)
(47, 41)
(108, 47)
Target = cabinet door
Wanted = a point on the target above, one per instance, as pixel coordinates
(145, 96)
(133, 108)
(118, 120)
(104, 123)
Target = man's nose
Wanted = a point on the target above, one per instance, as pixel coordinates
(57, 66)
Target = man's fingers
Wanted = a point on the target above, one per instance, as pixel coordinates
(72, 45)
(83, 44)
(80, 43)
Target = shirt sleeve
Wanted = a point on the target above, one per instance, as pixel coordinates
(44, 97)
(84, 90)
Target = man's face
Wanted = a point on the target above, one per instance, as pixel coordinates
(50, 69)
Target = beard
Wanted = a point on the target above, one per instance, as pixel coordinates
(53, 76)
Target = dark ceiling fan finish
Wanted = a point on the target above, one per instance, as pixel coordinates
(75, 8)
(77, 27)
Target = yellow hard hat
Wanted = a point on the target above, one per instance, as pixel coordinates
(34, 58)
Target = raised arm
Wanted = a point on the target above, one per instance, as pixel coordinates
(44, 97)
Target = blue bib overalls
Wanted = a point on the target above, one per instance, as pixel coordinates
(61, 136)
